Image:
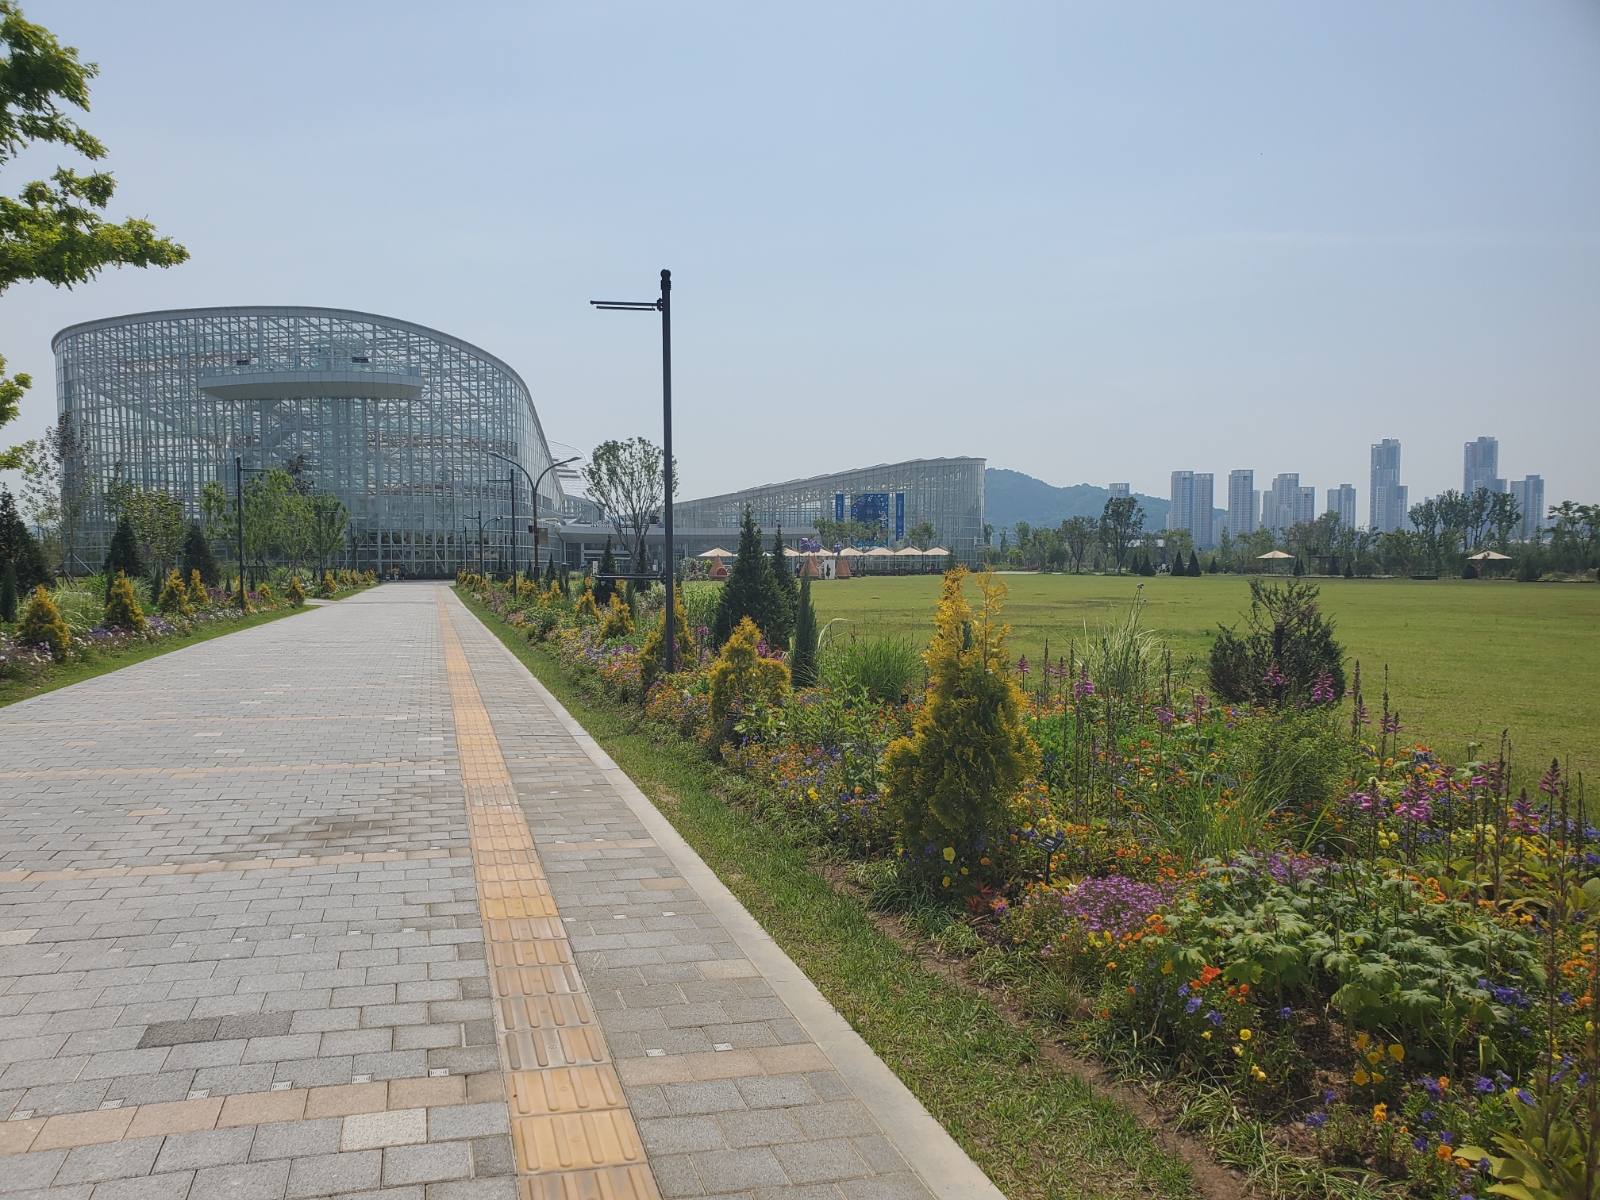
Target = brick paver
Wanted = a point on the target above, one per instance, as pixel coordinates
(243, 951)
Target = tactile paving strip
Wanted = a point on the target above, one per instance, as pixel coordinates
(570, 1125)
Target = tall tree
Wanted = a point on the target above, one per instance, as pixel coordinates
(1121, 523)
(785, 595)
(19, 547)
(197, 557)
(803, 658)
(54, 231)
(122, 556)
(625, 479)
(1077, 535)
(54, 486)
(749, 589)
(330, 520)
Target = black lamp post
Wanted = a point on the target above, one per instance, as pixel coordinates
(533, 489)
(239, 470)
(664, 307)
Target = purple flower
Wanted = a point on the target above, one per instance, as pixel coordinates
(1322, 689)
(1285, 1013)
(1425, 1115)
(1115, 904)
(1317, 1120)
(1274, 677)
(1193, 1005)
(1329, 1096)
(1022, 664)
(1522, 1094)
(1449, 1139)
(1420, 1144)
(1214, 1017)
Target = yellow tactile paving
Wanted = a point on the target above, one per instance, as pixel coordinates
(576, 1141)
(569, 1090)
(617, 1183)
(573, 1134)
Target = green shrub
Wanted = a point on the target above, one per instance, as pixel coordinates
(122, 608)
(296, 595)
(741, 680)
(1288, 655)
(950, 785)
(41, 625)
(885, 669)
(174, 599)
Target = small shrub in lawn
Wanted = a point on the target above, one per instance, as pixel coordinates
(174, 599)
(295, 595)
(617, 620)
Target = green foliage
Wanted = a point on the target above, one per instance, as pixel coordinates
(122, 606)
(883, 669)
(19, 547)
(1287, 655)
(198, 596)
(1550, 1154)
(197, 556)
(122, 557)
(949, 784)
(785, 596)
(803, 658)
(749, 591)
(617, 620)
(174, 598)
(652, 659)
(1121, 658)
(8, 592)
(741, 680)
(41, 625)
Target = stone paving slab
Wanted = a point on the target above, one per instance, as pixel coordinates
(318, 909)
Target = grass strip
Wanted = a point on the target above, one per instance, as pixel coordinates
(104, 662)
(1036, 1130)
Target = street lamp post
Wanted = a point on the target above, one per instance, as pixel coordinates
(664, 307)
(239, 470)
(533, 490)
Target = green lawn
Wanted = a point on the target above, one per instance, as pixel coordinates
(1466, 658)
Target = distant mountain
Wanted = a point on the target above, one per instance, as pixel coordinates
(1011, 496)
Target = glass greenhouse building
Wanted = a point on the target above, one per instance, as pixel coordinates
(397, 420)
(946, 493)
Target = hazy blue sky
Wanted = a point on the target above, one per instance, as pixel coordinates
(1086, 242)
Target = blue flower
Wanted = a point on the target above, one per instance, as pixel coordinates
(1329, 1096)
(1213, 1016)
(1425, 1115)
(1284, 1013)
(1484, 1085)
(1522, 1093)
(1194, 1001)
(1182, 991)
(1420, 1143)
(1317, 1120)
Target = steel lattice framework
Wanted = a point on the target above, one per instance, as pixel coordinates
(396, 419)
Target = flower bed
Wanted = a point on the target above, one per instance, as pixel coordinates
(1386, 962)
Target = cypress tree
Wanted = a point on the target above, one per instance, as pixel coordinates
(1177, 564)
(803, 659)
(604, 588)
(8, 592)
(1215, 569)
(749, 590)
(123, 556)
(19, 547)
(785, 595)
(197, 557)
(1194, 564)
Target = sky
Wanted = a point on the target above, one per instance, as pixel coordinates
(1087, 242)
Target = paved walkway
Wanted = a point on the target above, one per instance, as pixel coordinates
(347, 905)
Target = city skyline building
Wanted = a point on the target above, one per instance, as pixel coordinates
(1287, 503)
(1480, 466)
(1243, 502)
(1191, 506)
(1121, 490)
(1529, 495)
(1342, 500)
(1386, 497)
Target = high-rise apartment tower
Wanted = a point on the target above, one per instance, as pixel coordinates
(1386, 499)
